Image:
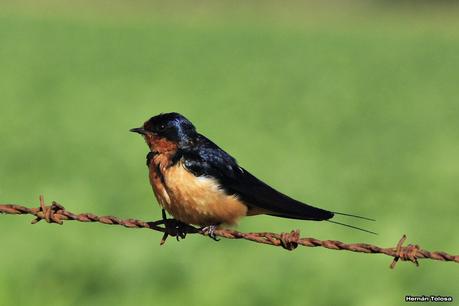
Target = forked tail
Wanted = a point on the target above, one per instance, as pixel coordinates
(352, 226)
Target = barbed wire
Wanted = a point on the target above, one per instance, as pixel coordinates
(56, 213)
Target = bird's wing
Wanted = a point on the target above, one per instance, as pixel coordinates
(207, 159)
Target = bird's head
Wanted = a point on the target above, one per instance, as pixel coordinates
(167, 131)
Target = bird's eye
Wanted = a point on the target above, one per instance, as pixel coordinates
(162, 127)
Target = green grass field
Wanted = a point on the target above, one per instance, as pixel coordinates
(354, 110)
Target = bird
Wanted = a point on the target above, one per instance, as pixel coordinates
(199, 183)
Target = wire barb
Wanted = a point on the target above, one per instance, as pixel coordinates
(56, 213)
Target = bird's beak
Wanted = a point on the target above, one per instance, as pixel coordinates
(140, 130)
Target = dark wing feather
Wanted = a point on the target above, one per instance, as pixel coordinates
(206, 159)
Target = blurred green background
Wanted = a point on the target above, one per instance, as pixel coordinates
(352, 106)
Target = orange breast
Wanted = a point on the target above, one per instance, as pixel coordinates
(157, 165)
(194, 200)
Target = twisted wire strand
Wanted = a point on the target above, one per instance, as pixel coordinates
(56, 213)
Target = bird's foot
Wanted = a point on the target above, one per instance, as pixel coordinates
(210, 231)
(176, 228)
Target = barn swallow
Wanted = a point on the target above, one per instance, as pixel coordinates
(198, 183)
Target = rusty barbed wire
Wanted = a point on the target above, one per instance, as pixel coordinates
(56, 213)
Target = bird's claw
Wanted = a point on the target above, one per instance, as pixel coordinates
(210, 231)
(176, 228)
